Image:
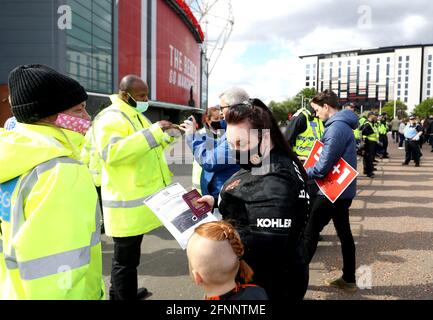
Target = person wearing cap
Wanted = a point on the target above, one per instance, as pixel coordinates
(370, 136)
(50, 244)
(133, 167)
(412, 135)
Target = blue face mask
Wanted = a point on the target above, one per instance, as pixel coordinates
(141, 106)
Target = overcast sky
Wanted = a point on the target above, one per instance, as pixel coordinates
(268, 37)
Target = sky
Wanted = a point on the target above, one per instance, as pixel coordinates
(262, 55)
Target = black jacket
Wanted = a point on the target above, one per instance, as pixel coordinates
(270, 212)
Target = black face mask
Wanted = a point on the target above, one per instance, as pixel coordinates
(254, 159)
(216, 125)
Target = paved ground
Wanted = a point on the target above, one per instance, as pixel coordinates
(392, 222)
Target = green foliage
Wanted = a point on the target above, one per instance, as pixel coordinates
(424, 109)
(400, 106)
(291, 105)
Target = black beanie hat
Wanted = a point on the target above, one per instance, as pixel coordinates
(38, 91)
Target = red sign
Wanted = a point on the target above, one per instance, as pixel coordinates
(178, 59)
(337, 180)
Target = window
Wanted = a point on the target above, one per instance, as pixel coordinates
(428, 93)
(308, 67)
(429, 71)
(349, 62)
(407, 58)
(399, 79)
(307, 84)
(399, 72)
(359, 62)
(340, 63)
(407, 72)
(406, 93)
(378, 60)
(406, 79)
(429, 78)
(388, 59)
(89, 44)
(399, 86)
(430, 57)
(399, 65)
(405, 100)
(428, 85)
(399, 93)
(406, 86)
(331, 64)
(429, 64)
(407, 65)
(400, 58)
(308, 78)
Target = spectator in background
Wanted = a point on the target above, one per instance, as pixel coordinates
(401, 128)
(395, 124)
(429, 132)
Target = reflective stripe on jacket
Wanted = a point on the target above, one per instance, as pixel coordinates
(50, 244)
(133, 167)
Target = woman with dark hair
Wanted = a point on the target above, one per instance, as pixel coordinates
(267, 201)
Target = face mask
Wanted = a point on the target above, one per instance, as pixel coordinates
(73, 123)
(216, 125)
(141, 106)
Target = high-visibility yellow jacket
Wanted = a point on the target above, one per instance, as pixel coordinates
(90, 157)
(305, 141)
(50, 244)
(133, 167)
(374, 137)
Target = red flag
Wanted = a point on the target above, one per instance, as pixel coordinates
(337, 180)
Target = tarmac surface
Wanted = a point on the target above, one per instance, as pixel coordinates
(392, 224)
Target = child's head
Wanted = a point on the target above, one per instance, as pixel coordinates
(214, 253)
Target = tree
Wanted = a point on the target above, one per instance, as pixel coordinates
(388, 108)
(282, 109)
(307, 94)
(424, 109)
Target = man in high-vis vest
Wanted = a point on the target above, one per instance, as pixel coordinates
(303, 131)
(50, 244)
(370, 136)
(382, 128)
(133, 167)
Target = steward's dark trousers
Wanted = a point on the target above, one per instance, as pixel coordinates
(412, 151)
(369, 154)
(322, 213)
(124, 282)
(385, 143)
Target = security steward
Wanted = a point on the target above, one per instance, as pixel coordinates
(370, 136)
(382, 128)
(303, 131)
(133, 167)
(50, 246)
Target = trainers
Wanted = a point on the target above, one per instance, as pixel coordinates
(401, 148)
(417, 165)
(405, 164)
(341, 284)
(371, 175)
